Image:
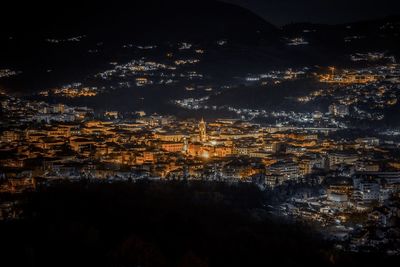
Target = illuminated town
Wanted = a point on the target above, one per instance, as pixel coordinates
(284, 135)
(336, 177)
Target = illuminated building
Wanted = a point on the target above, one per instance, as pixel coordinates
(342, 158)
(340, 192)
(9, 136)
(141, 81)
(111, 114)
(367, 190)
(284, 170)
(60, 108)
(202, 131)
(172, 147)
(308, 163)
(339, 110)
(170, 137)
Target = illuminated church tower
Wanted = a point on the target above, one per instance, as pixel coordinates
(202, 131)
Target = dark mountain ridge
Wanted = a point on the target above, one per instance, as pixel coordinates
(254, 45)
(152, 19)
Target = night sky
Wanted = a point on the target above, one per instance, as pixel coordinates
(282, 12)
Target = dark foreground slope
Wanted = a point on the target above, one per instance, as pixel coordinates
(159, 224)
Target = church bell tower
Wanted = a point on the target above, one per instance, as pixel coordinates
(202, 131)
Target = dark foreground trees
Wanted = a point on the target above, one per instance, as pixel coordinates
(158, 224)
